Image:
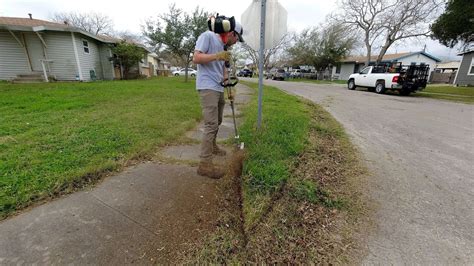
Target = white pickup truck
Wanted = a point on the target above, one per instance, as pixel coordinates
(405, 79)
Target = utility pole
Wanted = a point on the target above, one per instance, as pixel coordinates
(260, 61)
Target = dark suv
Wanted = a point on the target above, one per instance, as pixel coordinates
(245, 73)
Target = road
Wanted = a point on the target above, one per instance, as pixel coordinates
(421, 154)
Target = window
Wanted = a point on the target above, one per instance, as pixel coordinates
(338, 69)
(471, 68)
(85, 44)
(365, 70)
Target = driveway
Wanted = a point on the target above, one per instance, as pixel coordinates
(421, 155)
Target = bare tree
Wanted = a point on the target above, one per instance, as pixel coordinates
(364, 16)
(383, 22)
(94, 23)
(408, 19)
(284, 42)
(129, 36)
(322, 47)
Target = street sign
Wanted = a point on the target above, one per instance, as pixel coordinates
(275, 23)
(264, 24)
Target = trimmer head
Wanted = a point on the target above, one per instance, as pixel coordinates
(239, 145)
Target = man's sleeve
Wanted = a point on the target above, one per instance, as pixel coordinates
(202, 43)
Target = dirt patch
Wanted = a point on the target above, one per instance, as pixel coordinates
(229, 240)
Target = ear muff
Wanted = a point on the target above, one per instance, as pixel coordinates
(226, 26)
(221, 24)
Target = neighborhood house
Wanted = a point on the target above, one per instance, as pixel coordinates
(33, 49)
(465, 75)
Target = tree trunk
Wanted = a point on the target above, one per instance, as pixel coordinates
(384, 49)
(369, 49)
(186, 69)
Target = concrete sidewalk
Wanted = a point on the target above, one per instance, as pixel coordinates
(150, 213)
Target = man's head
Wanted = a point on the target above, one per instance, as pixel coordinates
(235, 35)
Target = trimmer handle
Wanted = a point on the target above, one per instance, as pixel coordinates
(230, 82)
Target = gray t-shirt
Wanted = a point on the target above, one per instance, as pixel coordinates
(210, 75)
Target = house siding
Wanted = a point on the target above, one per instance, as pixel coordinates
(90, 61)
(35, 50)
(462, 77)
(346, 71)
(60, 50)
(107, 65)
(13, 59)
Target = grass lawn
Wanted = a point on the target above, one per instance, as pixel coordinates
(457, 94)
(56, 137)
(318, 81)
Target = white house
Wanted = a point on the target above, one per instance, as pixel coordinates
(354, 64)
(38, 48)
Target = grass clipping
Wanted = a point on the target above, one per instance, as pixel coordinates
(315, 217)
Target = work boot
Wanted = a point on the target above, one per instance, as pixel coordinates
(218, 151)
(210, 170)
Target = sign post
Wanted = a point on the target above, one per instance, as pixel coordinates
(264, 24)
(260, 61)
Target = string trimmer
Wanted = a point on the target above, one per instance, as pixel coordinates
(228, 84)
(238, 156)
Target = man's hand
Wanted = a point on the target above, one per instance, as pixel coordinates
(223, 56)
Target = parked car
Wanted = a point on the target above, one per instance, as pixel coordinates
(308, 74)
(295, 73)
(405, 79)
(276, 73)
(181, 72)
(245, 73)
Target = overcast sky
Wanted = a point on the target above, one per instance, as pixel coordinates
(129, 15)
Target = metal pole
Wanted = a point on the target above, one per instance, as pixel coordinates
(260, 62)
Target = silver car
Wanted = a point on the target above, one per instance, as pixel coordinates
(191, 72)
(276, 73)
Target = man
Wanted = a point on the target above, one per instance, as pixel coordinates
(210, 57)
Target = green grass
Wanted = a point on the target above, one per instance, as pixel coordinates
(450, 93)
(273, 149)
(56, 137)
(318, 81)
(466, 91)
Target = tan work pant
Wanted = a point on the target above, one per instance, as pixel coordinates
(212, 103)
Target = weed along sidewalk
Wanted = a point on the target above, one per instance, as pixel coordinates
(151, 212)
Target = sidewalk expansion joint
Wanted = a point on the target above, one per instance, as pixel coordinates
(124, 215)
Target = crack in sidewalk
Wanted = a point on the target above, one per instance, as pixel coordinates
(124, 215)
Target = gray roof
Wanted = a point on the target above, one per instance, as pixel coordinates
(387, 57)
(38, 25)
